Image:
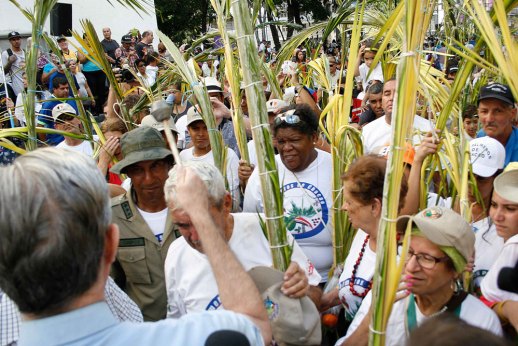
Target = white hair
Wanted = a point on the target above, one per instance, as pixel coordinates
(208, 173)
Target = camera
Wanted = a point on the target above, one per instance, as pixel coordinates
(123, 75)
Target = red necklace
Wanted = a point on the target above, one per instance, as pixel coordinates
(353, 276)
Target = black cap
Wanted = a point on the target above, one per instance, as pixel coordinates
(496, 91)
(126, 39)
(61, 38)
(14, 34)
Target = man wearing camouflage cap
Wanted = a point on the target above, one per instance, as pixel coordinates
(146, 228)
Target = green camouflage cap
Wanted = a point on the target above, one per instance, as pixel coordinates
(141, 144)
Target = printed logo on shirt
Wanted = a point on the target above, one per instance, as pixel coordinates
(214, 304)
(310, 268)
(305, 209)
(159, 237)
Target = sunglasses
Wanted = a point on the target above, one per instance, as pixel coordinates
(66, 117)
(288, 117)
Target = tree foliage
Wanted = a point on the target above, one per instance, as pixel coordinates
(183, 21)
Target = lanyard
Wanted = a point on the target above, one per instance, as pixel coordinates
(411, 319)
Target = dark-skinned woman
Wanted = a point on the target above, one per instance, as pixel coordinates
(305, 174)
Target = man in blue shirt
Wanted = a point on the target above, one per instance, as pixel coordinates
(55, 260)
(497, 113)
(60, 91)
(61, 73)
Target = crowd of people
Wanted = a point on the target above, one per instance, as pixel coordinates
(97, 237)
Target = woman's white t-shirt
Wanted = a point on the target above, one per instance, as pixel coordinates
(307, 207)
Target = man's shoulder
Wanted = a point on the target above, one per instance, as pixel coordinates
(121, 206)
(49, 105)
(373, 124)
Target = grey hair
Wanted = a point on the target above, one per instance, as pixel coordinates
(208, 173)
(54, 213)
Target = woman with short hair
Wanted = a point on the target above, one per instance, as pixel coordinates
(305, 174)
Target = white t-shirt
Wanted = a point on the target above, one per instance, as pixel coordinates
(15, 74)
(152, 71)
(376, 74)
(473, 311)
(181, 126)
(251, 153)
(433, 200)
(85, 147)
(364, 274)
(231, 172)
(155, 221)
(378, 133)
(307, 207)
(488, 246)
(19, 111)
(190, 283)
(81, 80)
(507, 258)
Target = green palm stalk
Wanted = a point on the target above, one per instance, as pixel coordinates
(271, 188)
(38, 16)
(345, 140)
(85, 119)
(232, 74)
(507, 63)
(387, 272)
(186, 69)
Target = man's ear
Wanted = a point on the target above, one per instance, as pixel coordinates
(227, 202)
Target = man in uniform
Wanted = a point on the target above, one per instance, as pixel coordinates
(146, 228)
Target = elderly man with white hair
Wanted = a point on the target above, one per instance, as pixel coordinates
(190, 281)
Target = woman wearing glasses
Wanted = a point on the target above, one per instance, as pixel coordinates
(362, 195)
(305, 176)
(442, 242)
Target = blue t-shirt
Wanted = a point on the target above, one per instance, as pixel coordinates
(511, 147)
(62, 75)
(48, 67)
(45, 119)
(89, 66)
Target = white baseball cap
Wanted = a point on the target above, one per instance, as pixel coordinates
(62, 108)
(506, 185)
(487, 156)
(275, 104)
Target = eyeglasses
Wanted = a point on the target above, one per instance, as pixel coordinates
(426, 261)
(288, 117)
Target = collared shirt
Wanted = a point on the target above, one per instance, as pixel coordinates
(95, 325)
(9, 321)
(118, 302)
(139, 267)
(511, 147)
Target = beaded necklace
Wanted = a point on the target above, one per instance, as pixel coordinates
(355, 268)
